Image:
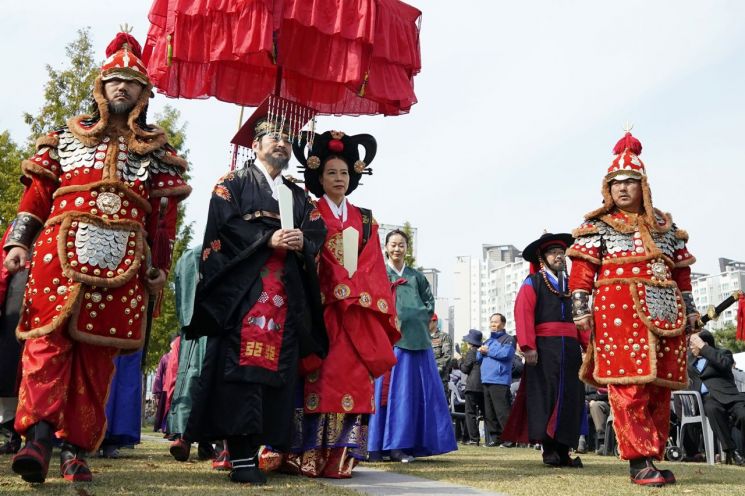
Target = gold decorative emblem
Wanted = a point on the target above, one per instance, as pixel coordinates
(335, 245)
(313, 376)
(313, 162)
(365, 299)
(383, 305)
(359, 166)
(337, 134)
(347, 403)
(109, 203)
(341, 291)
(311, 402)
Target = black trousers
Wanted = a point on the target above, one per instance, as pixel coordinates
(497, 405)
(474, 405)
(719, 418)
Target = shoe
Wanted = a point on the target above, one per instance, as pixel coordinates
(491, 444)
(508, 444)
(646, 475)
(600, 450)
(110, 452)
(552, 459)
(205, 451)
(734, 456)
(12, 445)
(32, 461)
(246, 471)
(73, 466)
(471, 443)
(582, 446)
(400, 456)
(180, 450)
(570, 462)
(222, 461)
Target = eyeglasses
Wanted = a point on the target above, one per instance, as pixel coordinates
(277, 137)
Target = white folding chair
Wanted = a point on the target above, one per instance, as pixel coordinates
(690, 410)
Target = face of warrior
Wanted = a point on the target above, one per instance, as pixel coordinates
(627, 194)
(273, 150)
(396, 248)
(122, 94)
(554, 258)
(335, 178)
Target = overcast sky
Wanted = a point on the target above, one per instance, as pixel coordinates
(520, 104)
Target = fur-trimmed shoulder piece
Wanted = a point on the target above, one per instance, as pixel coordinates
(170, 157)
(589, 227)
(663, 221)
(50, 139)
(680, 233)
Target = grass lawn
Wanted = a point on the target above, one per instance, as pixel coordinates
(150, 470)
(520, 472)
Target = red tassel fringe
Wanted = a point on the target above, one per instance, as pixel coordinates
(741, 319)
(628, 141)
(119, 40)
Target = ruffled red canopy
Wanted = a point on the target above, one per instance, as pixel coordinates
(346, 57)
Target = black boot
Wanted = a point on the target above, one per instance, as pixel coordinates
(734, 456)
(666, 474)
(32, 461)
(73, 466)
(245, 462)
(644, 473)
(205, 451)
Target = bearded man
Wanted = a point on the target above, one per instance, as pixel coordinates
(551, 396)
(634, 262)
(258, 300)
(98, 192)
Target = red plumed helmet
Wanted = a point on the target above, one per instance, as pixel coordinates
(626, 162)
(119, 40)
(628, 142)
(123, 59)
(336, 146)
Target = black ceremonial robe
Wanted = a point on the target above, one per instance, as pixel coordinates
(235, 399)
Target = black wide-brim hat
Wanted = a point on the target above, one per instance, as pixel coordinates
(533, 251)
(474, 337)
(334, 144)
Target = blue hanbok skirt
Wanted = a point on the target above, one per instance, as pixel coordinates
(416, 419)
(124, 408)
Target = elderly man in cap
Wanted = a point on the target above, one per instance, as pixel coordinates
(99, 211)
(551, 395)
(633, 261)
(258, 299)
(442, 347)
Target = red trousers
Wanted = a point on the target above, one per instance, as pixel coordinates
(641, 419)
(66, 383)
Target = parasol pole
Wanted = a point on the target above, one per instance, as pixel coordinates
(234, 158)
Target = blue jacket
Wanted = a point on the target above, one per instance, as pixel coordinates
(496, 365)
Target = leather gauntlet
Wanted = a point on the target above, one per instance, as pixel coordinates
(580, 305)
(24, 231)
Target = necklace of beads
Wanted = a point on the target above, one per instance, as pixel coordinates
(551, 286)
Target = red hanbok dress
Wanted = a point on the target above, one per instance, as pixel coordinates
(359, 312)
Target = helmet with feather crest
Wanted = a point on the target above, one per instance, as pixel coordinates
(626, 164)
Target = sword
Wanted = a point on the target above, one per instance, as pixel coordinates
(152, 273)
(713, 313)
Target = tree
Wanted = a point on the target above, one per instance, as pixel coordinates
(10, 161)
(68, 91)
(166, 326)
(725, 338)
(409, 259)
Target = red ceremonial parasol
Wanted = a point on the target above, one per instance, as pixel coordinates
(345, 57)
